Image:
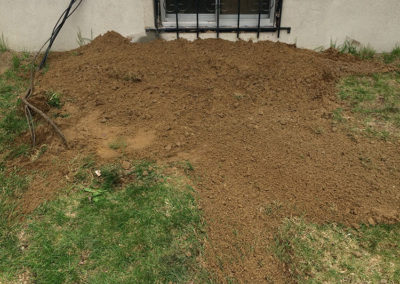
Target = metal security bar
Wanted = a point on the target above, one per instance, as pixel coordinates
(182, 10)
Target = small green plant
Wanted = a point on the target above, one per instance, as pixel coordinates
(96, 194)
(366, 52)
(354, 48)
(3, 44)
(349, 47)
(54, 100)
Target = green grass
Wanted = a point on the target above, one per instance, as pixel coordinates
(12, 120)
(3, 44)
(393, 55)
(363, 52)
(12, 183)
(119, 227)
(54, 99)
(148, 231)
(337, 115)
(12, 186)
(336, 254)
(374, 99)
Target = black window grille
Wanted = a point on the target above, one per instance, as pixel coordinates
(197, 16)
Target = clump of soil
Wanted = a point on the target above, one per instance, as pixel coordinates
(253, 118)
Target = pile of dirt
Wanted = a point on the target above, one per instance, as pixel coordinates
(255, 120)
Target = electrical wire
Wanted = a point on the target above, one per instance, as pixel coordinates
(28, 106)
(57, 28)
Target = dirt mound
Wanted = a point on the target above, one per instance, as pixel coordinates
(253, 118)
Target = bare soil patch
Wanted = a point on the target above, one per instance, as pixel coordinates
(255, 120)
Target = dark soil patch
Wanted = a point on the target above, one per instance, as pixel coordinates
(253, 118)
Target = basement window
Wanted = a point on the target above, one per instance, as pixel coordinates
(217, 13)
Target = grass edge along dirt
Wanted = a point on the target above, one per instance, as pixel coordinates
(332, 253)
(374, 100)
(12, 182)
(23, 244)
(365, 52)
(147, 231)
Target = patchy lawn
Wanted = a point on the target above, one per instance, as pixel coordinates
(336, 254)
(374, 102)
(147, 231)
(118, 225)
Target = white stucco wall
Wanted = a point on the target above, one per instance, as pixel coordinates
(26, 24)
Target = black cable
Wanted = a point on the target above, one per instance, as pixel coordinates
(57, 28)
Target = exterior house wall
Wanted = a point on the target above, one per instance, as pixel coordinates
(26, 24)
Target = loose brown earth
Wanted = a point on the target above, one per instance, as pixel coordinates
(253, 118)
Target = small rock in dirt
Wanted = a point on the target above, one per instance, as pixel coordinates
(384, 281)
(355, 226)
(357, 254)
(236, 105)
(126, 165)
(103, 120)
(260, 112)
(371, 221)
(145, 173)
(168, 147)
(334, 129)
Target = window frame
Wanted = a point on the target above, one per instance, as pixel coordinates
(209, 20)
